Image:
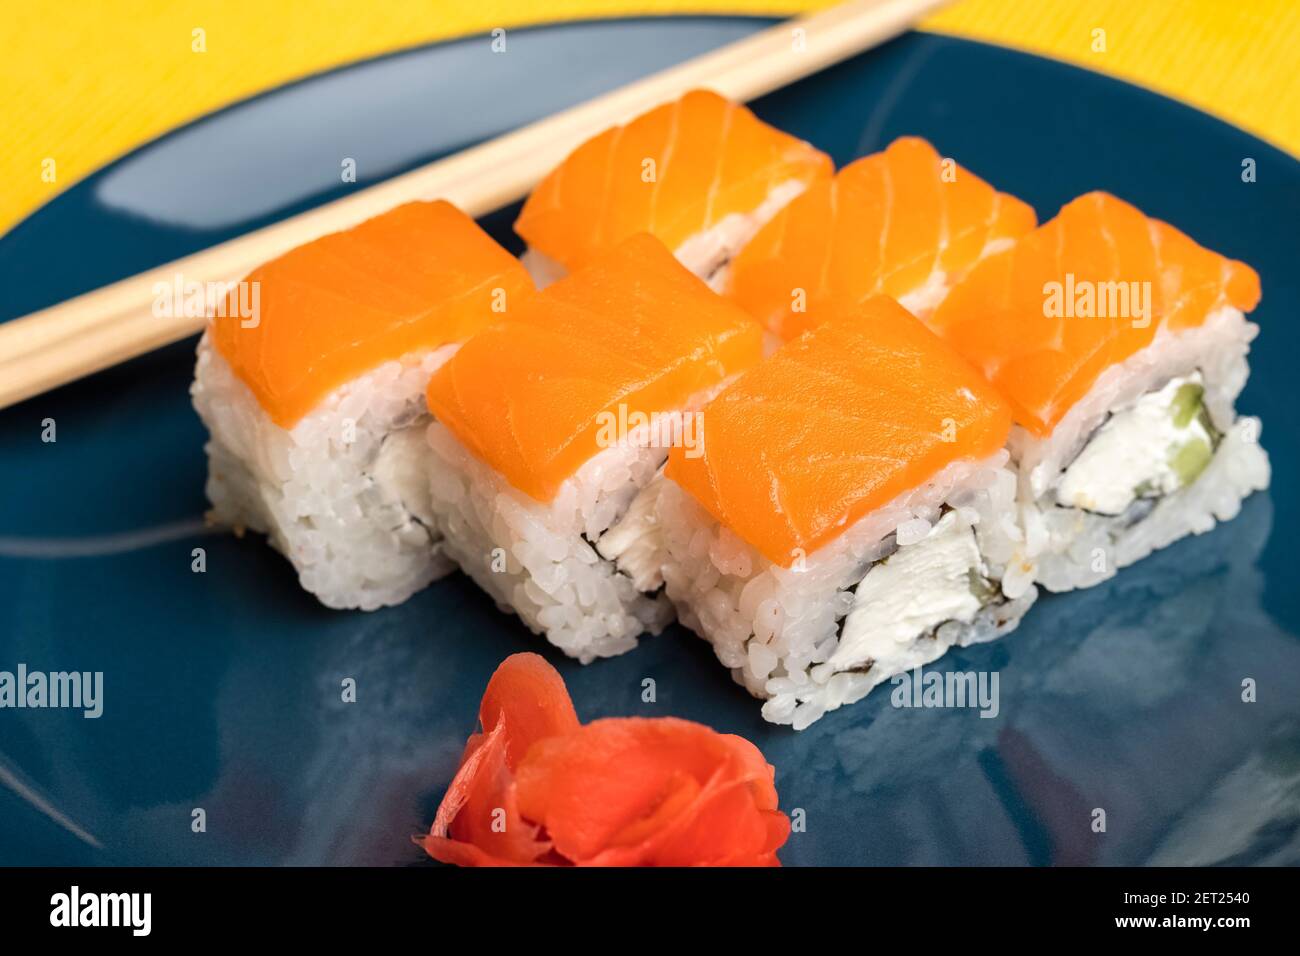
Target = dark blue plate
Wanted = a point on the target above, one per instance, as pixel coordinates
(222, 688)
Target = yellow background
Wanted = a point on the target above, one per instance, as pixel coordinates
(84, 81)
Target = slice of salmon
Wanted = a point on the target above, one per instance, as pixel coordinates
(834, 424)
(1043, 319)
(904, 222)
(675, 172)
(632, 334)
(418, 277)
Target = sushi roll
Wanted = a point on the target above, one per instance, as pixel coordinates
(550, 431)
(702, 174)
(852, 517)
(1121, 345)
(905, 222)
(315, 404)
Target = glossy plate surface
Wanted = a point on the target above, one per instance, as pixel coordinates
(222, 689)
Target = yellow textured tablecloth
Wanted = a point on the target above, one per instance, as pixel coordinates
(84, 81)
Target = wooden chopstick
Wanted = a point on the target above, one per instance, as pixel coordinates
(57, 345)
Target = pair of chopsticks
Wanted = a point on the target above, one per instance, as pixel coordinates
(110, 325)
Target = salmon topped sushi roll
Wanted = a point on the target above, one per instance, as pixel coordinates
(552, 426)
(1121, 345)
(851, 517)
(315, 403)
(701, 174)
(904, 222)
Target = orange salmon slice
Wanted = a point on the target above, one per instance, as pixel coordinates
(905, 222)
(416, 278)
(1043, 319)
(674, 172)
(834, 424)
(633, 333)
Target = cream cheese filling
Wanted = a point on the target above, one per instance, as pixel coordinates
(1154, 447)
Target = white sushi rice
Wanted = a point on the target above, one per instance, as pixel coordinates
(342, 494)
(707, 253)
(778, 628)
(1074, 548)
(544, 560)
